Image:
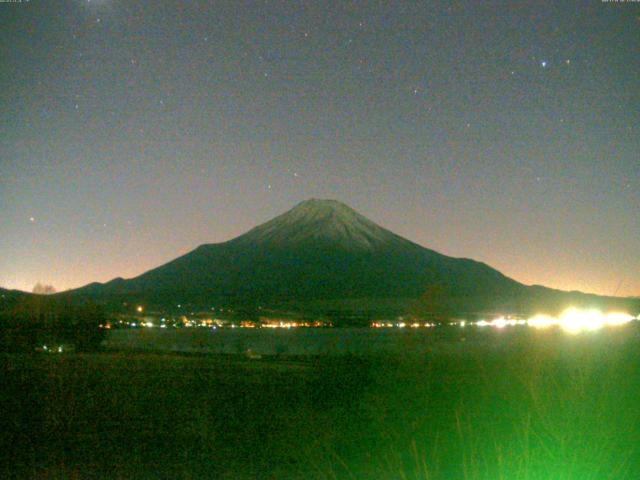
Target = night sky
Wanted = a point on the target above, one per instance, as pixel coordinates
(134, 131)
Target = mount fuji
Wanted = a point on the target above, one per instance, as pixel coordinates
(323, 254)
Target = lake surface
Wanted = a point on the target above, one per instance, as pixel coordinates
(340, 341)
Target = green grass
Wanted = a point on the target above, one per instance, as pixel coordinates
(542, 406)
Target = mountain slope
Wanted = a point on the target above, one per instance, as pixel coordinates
(319, 252)
(9, 298)
(321, 222)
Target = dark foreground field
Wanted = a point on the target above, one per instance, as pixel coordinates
(548, 406)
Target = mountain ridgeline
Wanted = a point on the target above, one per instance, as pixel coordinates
(323, 255)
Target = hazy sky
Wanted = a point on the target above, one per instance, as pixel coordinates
(133, 131)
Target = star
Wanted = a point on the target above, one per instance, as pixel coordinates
(31, 219)
(543, 64)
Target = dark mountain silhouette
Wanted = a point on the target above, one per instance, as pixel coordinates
(324, 255)
(9, 298)
(12, 301)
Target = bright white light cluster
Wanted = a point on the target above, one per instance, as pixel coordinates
(501, 322)
(571, 320)
(574, 321)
